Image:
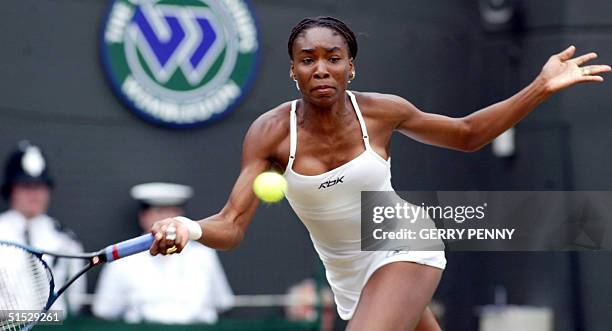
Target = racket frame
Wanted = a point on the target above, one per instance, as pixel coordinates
(107, 254)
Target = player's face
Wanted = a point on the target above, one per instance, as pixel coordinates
(30, 199)
(321, 65)
(158, 213)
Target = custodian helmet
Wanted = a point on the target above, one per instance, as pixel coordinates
(26, 164)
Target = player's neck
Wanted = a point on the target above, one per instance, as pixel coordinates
(324, 118)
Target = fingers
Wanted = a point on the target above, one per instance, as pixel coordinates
(567, 53)
(594, 70)
(591, 73)
(182, 237)
(162, 246)
(154, 250)
(591, 79)
(584, 58)
(170, 236)
(594, 79)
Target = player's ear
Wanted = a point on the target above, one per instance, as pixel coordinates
(291, 74)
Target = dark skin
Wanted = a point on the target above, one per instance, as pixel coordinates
(329, 136)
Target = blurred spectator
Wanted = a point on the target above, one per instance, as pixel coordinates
(304, 304)
(27, 188)
(193, 285)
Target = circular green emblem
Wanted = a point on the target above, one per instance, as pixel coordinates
(180, 63)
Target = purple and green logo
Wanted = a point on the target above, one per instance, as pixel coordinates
(180, 63)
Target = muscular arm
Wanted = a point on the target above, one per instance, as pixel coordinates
(474, 131)
(226, 229)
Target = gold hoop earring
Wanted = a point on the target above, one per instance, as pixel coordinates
(297, 86)
(352, 77)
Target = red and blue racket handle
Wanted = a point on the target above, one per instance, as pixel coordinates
(128, 247)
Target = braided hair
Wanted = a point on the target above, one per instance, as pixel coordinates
(327, 22)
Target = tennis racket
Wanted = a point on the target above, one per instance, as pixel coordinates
(26, 281)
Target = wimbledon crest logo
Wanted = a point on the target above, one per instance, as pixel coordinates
(180, 63)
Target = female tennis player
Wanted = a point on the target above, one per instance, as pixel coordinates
(334, 143)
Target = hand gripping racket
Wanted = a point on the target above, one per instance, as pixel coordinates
(26, 281)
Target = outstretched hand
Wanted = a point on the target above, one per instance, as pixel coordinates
(563, 71)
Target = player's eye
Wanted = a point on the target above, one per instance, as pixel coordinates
(334, 59)
(307, 60)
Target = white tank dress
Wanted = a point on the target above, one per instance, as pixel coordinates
(329, 205)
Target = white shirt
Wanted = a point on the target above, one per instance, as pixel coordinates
(184, 288)
(45, 235)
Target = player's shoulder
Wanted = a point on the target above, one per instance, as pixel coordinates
(271, 126)
(384, 106)
(275, 118)
(380, 101)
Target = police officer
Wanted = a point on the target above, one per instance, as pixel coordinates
(27, 186)
(194, 287)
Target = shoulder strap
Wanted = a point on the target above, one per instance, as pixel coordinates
(292, 134)
(364, 130)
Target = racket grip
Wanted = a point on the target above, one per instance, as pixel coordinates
(128, 247)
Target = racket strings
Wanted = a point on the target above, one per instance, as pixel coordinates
(24, 285)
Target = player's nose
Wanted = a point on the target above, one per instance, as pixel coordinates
(321, 70)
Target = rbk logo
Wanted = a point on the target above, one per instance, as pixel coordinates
(171, 37)
(330, 183)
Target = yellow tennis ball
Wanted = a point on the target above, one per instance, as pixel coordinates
(270, 186)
